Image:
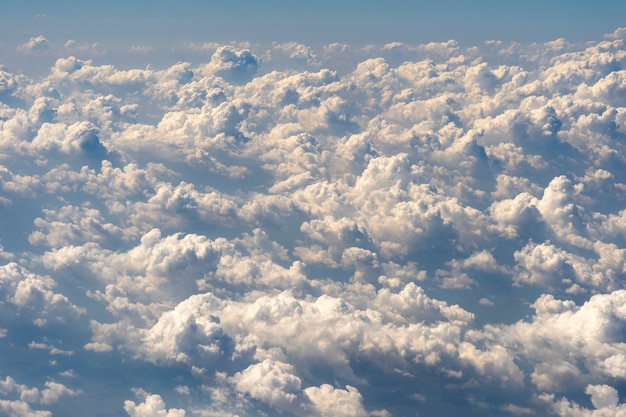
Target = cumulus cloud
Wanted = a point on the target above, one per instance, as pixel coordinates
(28, 396)
(233, 64)
(330, 401)
(189, 333)
(35, 45)
(33, 294)
(301, 54)
(54, 391)
(334, 231)
(152, 406)
(273, 383)
(603, 397)
(21, 409)
(269, 382)
(591, 334)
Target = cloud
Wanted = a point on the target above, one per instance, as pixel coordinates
(301, 54)
(54, 391)
(603, 397)
(272, 383)
(49, 395)
(26, 393)
(189, 333)
(590, 333)
(33, 294)
(330, 401)
(21, 409)
(153, 406)
(93, 50)
(377, 230)
(495, 364)
(269, 382)
(53, 350)
(233, 64)
(38, 44)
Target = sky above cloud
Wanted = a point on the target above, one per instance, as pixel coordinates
(313, 23)
(350, 209)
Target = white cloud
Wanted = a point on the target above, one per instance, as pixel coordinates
(329, 401)
(51, 394)
(517, 410)
(54, 391)
(603, 397)
(34, 295)
(21, 409)
(233, 64)
(153, 406)
(26, 393)
(189, 334)
(38, 44)
(301, 54)
(272, 383)
(590, 333)
(53, 349)
(495, 364)
(289, 229)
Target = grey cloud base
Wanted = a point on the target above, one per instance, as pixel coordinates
(385, 231)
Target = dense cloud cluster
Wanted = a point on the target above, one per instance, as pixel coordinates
(380, 231)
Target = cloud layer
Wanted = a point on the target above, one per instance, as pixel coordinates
(380, 231)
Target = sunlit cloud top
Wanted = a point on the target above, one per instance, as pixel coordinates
(319, 226)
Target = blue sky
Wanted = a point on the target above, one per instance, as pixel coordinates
(314, 22)
(339, 209)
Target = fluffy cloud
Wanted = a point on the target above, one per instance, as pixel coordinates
(274, 384)
(33, 294)
(603, 397)
(344, 231)
(232, 64)
(21, 409)
(54, 391)
(330, 401)
(189, 333)
(28, 396)
(269, 382)
(496, 363)
(35, 45)
(153, 406)
(591, 334)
